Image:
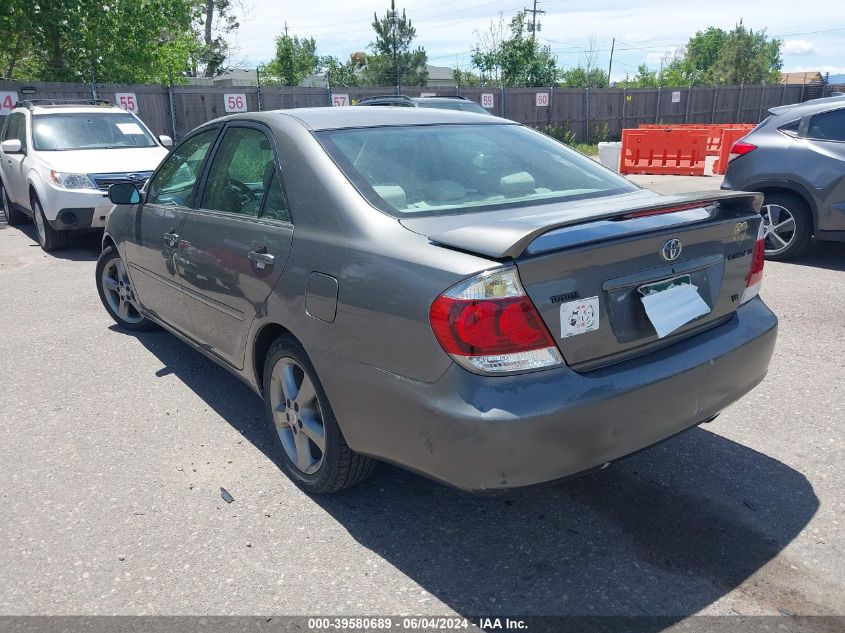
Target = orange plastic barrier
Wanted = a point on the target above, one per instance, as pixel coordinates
(664, 151)
(714, 131)
(729, 137)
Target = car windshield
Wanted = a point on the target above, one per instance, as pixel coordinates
(448, 169)
(88, 130)
(454, 104)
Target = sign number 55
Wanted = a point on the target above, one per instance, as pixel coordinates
(128, 101)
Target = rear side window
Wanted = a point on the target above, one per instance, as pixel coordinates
(828, 126)
(791, 129)
(275, 204)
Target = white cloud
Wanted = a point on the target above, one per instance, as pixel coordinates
(798, 47)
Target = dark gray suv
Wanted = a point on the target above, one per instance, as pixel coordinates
(796, 157)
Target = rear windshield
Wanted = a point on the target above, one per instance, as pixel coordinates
(95, 130)
(449, 169)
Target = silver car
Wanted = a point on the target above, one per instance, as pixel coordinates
(451, 292)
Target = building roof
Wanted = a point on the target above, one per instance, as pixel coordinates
(801, 78)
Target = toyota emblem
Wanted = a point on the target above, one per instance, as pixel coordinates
(671, 250)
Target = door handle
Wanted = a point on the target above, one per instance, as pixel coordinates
(171, 239)
(261, 257)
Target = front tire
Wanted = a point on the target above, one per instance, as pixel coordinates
(787, 226)
(49, 238)
(118, 294)
(14, 217)
(314, 453)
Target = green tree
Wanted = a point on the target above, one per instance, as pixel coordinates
(339, 74)
(580, 77)
(747, 56)
(295, 59)
(517, 59)
(213, 21)
(393, 62)
(119, 40)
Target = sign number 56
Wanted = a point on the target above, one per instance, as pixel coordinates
(235, 102)
(128, 101)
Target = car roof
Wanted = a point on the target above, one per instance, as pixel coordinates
(329, 118)
(809, 107)
(71, 109)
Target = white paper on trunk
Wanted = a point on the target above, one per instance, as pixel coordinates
(670, 309)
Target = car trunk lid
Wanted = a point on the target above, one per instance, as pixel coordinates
(596, 258)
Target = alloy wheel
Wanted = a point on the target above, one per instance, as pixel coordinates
(297, 416)
(119, 293)
(778, 228)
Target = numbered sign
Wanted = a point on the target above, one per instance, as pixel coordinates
(339, 100)
(542, 99)
(428, 94)
(676, 96)
(7, 102)
(127, 100)
(487, 101)
(234, 102)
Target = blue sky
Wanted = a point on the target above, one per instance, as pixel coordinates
(813, 31)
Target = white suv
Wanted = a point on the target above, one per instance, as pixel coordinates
(58, 160)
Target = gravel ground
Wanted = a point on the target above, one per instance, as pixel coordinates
(117, 446)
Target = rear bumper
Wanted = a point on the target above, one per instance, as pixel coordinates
(477, 432)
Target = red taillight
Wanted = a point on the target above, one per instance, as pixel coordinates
(488, 324)
(740, 148)
(755, 276)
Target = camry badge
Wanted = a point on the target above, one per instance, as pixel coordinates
(671, 250)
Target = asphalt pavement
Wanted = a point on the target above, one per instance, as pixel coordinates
(116, 446)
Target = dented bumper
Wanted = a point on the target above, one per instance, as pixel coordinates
(493, 432)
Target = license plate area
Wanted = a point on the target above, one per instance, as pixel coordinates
(623, 299)
(659, 286)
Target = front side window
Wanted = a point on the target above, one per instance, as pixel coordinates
(88, 130)
(174, 182)
(449, 169)
(240, 172)
(16, 128)
(828, 126)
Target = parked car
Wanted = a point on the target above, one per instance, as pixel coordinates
(58, 159)
(796, 157)
(441, 103)
(452, 292)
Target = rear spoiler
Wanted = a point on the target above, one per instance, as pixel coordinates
(509, 237)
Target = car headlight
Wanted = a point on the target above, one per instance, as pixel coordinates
(72, 181)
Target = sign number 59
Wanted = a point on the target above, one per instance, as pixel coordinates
(235, 102)
(128, 101)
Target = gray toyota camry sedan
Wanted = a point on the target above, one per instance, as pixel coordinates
(451, 292)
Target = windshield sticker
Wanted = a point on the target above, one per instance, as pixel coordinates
(130, 128)
(578, 317)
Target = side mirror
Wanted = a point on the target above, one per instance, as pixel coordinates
(12, 146)
(166, 140)
(124, 193)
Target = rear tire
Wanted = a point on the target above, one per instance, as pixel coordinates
(118, 294)
(14, 217)
(787, 224)
(314, 452)
(49, 238)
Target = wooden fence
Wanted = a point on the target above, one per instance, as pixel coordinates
(590, 114)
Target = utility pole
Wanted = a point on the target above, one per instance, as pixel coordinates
(394, 24)
(610, 65)
(534, 12)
